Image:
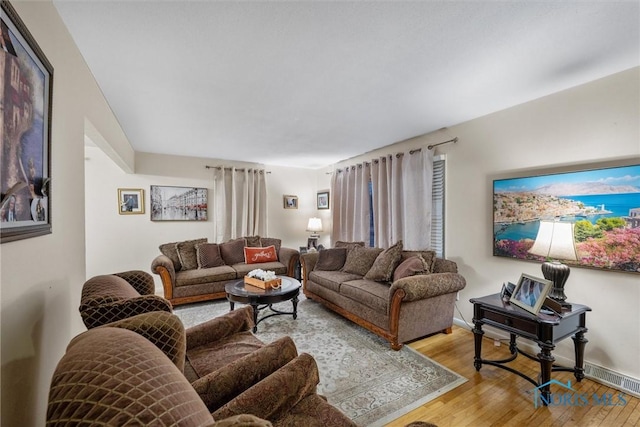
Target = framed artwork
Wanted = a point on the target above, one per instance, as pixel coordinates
(530, 293)
(25, 135)
(130, 201)
(290, 202)
(600, 208)
(178, 203)
(323, 200)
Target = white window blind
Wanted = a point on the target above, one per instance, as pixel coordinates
(437, 212)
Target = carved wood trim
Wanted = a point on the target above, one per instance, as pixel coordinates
(197, 298)
(165, 277)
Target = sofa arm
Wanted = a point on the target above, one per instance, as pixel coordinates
(220, 327)
(139, 280)
(163, 266)
(308, 262)
(289, 257)
(97, 314)
(221, 386)
(274, 396)
(424, 286)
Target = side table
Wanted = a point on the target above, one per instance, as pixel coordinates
(544, 329)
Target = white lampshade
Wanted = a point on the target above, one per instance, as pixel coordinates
(555, 241)
(314, 225)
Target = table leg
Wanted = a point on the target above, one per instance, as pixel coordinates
(295, 307)
(255, 317)
(546, 365)
(579, 342)
(232, 305)
(513, 347)
(477, 339)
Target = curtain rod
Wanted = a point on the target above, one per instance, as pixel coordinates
(454, 140)
(240, 169)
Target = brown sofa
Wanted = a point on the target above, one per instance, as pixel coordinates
(195, 270)
(114, 376)
(398, 295)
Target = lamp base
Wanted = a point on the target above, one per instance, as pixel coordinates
(558, 273)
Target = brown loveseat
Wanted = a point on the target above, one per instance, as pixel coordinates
(399, 295)
(114, 376)
(195, 270)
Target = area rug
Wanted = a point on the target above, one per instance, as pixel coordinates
(359, 373)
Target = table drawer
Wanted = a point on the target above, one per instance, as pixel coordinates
(522, 325)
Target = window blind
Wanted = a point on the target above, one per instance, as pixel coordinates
(437, 213)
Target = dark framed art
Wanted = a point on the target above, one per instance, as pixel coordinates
(26, 87)
(595, 213)
(178, 203)
(530, 293)
(323, 200)
(130, 201)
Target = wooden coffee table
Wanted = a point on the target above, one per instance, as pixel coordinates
(260, 299)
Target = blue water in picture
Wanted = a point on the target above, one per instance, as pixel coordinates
(618, 204)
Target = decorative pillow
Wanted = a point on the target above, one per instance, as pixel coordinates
(252, 241)
(258, 255)
(348, 245)
(208, 255)
(187, 254)
(171, 251)
(428, 256)
(232, 251)
(331, 259)
(268, 241)
(410, 267)
(385, 263)
(360, 259)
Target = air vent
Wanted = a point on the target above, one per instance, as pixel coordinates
(613, 379)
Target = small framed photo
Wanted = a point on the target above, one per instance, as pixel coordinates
(530, 293)
(323, 200)
(130, 201)
(290, 202)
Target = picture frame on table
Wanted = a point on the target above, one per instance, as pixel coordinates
(290, 202)
(530, 293)
(130, 201)
(323, 200)
(25, 169)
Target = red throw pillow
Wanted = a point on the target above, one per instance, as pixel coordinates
(258, 255)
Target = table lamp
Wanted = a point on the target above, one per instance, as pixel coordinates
(314, 226)
(555, 242)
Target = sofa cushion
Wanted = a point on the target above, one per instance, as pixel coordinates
(360, 259)
(428, 256)
(331, 279)
(205, 275)
(410, 267)
(259, 255)
(208, 255)
(232, 251)
(385, 263)
(331, 259)
(374, 295)
(242, 269)
(348, 245)
(268, 241)
(171, 251)
(187, 253)
(252, 241)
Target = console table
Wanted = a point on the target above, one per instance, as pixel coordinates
(544, 329)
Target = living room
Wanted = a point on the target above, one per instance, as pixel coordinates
(594, 124)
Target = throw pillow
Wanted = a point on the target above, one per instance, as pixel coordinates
(385, 263)
(410, 267)
(232, 251)
(429, 258)
(331, 259)
(360, 259)
(187, 253)
(208, 255)
(252, 241)
(348, 245)
(258, 255)
(268, 241)
(171, 251)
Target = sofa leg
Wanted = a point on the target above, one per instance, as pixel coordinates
(448, 331)
(395, 345)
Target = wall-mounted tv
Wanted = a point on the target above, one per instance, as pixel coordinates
(602, 207)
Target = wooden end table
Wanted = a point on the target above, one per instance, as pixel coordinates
(544, 329)
(260, 299)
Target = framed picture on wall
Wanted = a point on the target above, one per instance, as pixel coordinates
(178, 203)
(130, 201)
(290, 202)
(323, 200)
(25, 165)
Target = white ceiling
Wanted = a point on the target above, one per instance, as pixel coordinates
(310, 83)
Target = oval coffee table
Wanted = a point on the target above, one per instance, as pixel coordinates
(260, 299)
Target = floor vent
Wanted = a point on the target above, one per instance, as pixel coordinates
(613, 379)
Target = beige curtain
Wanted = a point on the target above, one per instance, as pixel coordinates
(350, 189)
(239, 203)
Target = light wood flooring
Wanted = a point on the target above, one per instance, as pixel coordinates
(495, 397)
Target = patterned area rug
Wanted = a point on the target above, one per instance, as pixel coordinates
(359, 373)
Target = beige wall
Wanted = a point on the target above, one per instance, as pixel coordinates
(41, 277)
